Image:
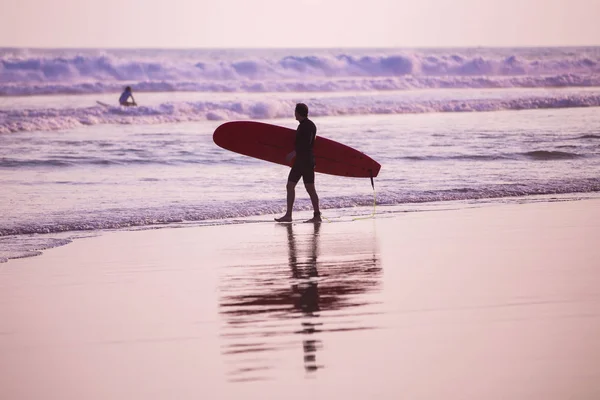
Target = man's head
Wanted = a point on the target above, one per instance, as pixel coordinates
(301, 111)
(128, 89)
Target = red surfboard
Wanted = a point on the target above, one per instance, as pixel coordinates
(272, 143)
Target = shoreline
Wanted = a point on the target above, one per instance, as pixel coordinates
(59, 239)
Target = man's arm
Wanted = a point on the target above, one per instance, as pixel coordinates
(290, 156)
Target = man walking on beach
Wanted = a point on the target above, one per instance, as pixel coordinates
(304, 165)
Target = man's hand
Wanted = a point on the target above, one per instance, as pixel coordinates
(290, 156)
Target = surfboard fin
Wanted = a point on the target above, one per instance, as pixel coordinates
(371, 176)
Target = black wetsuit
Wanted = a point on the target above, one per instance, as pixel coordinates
(304, 166)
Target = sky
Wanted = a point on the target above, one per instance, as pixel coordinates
(298, 23)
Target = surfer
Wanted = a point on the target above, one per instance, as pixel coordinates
(304, 165)
(124, 99)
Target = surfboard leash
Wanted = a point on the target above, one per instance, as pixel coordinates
(374, 199)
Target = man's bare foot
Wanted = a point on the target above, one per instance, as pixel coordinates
(285, 218)
(315, 219)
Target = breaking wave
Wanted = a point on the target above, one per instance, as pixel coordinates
(66, 118)
(28, 72)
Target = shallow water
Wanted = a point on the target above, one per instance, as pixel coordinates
(115, 176)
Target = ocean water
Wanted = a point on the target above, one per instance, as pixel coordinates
(447, 125)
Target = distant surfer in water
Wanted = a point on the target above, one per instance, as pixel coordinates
(304, 165)
(124, 99)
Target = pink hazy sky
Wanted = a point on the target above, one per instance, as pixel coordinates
(298, 23)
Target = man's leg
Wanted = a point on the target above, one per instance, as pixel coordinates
(291, 196)
(314, 198)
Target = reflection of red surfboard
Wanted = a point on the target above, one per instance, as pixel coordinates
(272, 143)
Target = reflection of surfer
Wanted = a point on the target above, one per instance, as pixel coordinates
(304, 166)
(259, 301)
(305, 293)
(124, 99)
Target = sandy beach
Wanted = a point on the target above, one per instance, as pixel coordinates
(486, 302)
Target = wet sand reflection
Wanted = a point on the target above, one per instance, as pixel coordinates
(266, 306)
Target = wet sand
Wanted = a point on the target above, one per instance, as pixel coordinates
(492, 302)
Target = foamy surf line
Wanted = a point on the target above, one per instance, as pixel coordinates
(23, 244)
(56, 119)
(91, 220)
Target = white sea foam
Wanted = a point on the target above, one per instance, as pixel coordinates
(133, 217)
(66, 118)
(28, 72)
